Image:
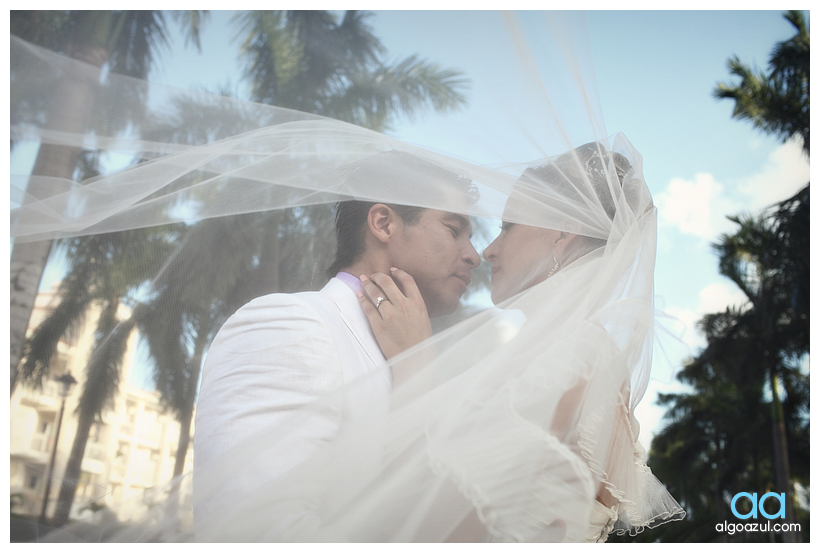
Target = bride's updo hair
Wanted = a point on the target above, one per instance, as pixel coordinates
(578, 173)
(589, 184)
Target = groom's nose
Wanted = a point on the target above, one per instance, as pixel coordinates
(471, 256)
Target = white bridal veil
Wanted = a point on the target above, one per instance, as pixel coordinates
(518, 424)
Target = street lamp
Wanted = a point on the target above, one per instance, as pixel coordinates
(67, 384)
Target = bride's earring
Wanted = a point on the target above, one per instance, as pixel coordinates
(555, 268)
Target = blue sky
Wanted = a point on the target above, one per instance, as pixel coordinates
(655, 73)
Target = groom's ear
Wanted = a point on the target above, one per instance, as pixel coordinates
(382, 221)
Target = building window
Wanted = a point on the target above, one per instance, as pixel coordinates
(45, 422)
(131, 411)
(33, 476)
(41, 440)
(122, 451)
(97, 432)
(58, 365)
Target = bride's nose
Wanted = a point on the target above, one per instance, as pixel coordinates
(491, 251)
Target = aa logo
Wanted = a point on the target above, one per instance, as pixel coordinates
(759, 506)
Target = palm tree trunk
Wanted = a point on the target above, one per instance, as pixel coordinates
(74, 99)
(184, 440)
(187, 415)
(172, 508)
(101, 383)
(781, 457)
(267, 276)
(72, 471)
(720, 504)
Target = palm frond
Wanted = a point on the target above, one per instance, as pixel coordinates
(191, 22)
(102, 374)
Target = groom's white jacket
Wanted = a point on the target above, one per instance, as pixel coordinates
(264, 372)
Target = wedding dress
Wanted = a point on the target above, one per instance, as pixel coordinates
(518, 424)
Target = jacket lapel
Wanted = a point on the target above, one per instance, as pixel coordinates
(354, 318)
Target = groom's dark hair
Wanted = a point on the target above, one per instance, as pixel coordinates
(402, 171)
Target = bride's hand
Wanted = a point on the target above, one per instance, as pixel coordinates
(400, 319)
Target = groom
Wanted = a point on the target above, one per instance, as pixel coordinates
(282, 352)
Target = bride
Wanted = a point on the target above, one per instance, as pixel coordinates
(595, 424)
(514, 424)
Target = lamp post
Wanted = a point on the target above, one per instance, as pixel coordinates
(67, 384)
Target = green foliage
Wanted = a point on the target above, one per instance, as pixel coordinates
(306, 60)
(128, 39)
(744, 423)
(104, 269)
(776, 102)
(51, 29)
(312, 62)
(719, 436)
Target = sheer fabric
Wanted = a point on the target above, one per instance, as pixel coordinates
(518, 422)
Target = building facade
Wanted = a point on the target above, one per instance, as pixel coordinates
(130, 451)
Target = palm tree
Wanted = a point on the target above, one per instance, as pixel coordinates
(744, 425)
(301, 60)
(704, 451)
(103, 270)
(758, 348)
(777, 102)
(768, 258)
(749, 376)
(748, 259)
(718, 439)
(191, 302)
(201, 285)
(126, 42)
(312, 62)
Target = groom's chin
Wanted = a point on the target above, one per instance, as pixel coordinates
(442, 307)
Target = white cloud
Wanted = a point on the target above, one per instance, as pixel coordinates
(785, 172)
(699, 207)
(718, 295)
(650, 414)
(696, 207)
(678, 340)
(682, 324)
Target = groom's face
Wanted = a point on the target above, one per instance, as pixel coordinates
(436, 251)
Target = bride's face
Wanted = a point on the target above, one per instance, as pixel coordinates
(522, 256)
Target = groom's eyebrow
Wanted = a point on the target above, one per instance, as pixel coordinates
(464, 222)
